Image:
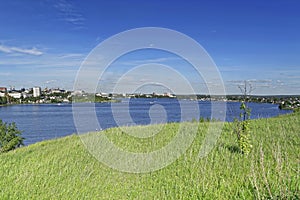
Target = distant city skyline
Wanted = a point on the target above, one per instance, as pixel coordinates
(43, 43)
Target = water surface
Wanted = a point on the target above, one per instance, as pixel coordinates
(46, 121)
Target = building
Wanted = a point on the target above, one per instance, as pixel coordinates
(57, 91)
(36, 91)
(16, 95)
(26, 95)
(77, 93)
(3, 89)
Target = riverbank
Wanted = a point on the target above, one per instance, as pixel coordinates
(285, 102)
(63, 169)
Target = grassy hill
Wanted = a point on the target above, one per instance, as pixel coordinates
(63, 169)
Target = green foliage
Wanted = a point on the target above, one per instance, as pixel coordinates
(10, 137)
(92, 98)
(10, 99)
(242, 130)
(207, 119)
(244, 140)
(297, 109)
(31, 99)
(201, 120)
(3, 100)
(194, 120)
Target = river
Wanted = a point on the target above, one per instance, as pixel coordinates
(47, 121)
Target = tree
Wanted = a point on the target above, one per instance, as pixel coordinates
(242, 129)
(246, 90)
(3, 100)
(10, 137)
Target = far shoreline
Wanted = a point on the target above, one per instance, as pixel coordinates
(283, 102)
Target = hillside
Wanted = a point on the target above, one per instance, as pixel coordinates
(63, 169)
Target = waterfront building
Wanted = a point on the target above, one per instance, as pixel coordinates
(16, 95)
(36, 91)
(3, 89)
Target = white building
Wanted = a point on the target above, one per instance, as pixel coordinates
(77, 93)
(36, 91)
(26, 95)
(3, 91)
(16, 95)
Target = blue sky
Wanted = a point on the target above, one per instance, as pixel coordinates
(44, 42)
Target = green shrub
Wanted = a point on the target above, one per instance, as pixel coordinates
(10, 137)
(3, 100)
(242, 130)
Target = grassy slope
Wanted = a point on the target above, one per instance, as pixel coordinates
(63, 169)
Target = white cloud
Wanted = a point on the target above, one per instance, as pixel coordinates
(146, 61)
(250, 81)
(69, 13)
(5, 49)
(51, 61)
(72, 55)
(33, 51)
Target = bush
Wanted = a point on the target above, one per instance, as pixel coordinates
(10, 137)
(242, 130)
(3, 100)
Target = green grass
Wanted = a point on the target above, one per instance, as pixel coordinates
(63, 168)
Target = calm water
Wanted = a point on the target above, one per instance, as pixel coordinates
(47, 121)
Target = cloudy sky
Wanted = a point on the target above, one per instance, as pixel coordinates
(43, 43)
